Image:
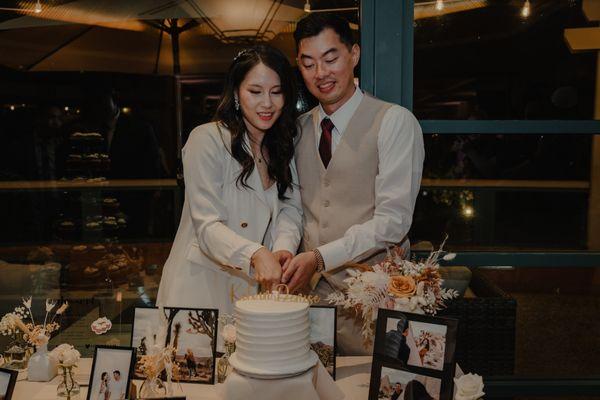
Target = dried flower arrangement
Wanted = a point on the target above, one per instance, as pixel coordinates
(397, 284)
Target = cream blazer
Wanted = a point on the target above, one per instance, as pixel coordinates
(222, 225)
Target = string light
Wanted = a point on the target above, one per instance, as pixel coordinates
(439, 5)
(526, 10)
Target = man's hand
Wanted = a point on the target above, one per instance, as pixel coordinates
(298, 272)
(284, 257)
(267, 270)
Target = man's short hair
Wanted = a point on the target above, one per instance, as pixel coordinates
(116, 371)
(315, 23)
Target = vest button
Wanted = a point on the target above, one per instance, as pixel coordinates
(325, 225)
(326, 203)
(244, 224)
(326, 183)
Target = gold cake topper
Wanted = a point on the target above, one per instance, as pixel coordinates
(276, 295)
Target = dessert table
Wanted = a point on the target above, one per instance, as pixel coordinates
(353, 374)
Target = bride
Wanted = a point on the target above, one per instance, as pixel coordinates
(241, 218)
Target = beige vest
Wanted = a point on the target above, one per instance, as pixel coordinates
(343, 195)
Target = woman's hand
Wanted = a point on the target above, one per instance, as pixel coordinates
(284, 257)
(267, 270)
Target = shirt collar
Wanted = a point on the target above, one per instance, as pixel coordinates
(341, 117)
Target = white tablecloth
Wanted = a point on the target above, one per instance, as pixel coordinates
(353, 374)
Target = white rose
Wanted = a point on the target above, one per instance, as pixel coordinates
(469, 387)
(229, 333)
(70, 358)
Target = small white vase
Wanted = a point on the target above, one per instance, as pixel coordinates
(42, 367)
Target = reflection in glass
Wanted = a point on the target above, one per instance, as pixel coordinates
(494, 59)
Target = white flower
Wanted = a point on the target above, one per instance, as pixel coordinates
(50, 305)
(27, 302)
(469, 387)
(66, 355)
(101, 326)
(229, 333)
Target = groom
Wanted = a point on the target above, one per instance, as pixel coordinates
(359, 163)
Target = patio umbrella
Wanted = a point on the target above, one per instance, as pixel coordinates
(145, 36)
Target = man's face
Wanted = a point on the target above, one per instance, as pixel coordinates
(116, 376)
(327, 66)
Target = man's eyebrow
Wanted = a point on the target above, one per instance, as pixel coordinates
(331, 50)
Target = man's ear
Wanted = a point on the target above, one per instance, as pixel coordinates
(355, 54)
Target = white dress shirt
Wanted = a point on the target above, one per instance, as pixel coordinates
(401, 155)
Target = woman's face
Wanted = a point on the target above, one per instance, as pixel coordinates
(261, 98)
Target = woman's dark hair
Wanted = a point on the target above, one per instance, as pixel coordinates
(315, 23)
(415, 390)
(279, 139)
(104, 375)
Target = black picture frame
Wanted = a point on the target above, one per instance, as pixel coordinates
(331, 364)
(408, 357)
(97, 354)
(173, 312)
(11, 376)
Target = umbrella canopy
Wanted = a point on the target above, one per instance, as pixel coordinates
(145, 36)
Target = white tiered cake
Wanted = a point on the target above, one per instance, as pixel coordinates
(272, 336)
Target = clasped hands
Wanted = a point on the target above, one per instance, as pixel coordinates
(273, 268)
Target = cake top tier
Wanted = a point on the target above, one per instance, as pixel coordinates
(270, 306)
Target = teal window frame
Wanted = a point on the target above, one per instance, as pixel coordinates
(387, 45)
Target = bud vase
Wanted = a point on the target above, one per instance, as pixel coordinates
(152, 388)
(42, 367)
(68, 388)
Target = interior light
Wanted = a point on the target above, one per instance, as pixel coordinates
(12, 108)
(526, 10)
(38, 7)
(307, 6)
(439, 5)
(468, 211)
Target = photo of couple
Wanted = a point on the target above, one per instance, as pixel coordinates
(416, 343)
(274, 197)
(190, 331)
(397, 384)
(112, 386)
(111, 373)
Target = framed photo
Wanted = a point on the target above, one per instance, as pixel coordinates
(416, 346)
(112, 370)
(323, 328)
(191, 331)
(8, 378)
(397, 384)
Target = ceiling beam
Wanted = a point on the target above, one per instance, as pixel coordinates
(583, 39)
(591, 9)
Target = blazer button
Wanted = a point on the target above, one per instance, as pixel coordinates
(244, 224)
(326, 203)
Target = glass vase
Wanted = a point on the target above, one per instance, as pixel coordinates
(152, 388)
(68, 388)
(223, 368)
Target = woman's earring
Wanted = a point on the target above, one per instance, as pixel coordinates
(236, 104)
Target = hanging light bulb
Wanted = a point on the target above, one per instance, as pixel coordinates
(38, 7)
(307, 6)
(526, 10)
(439, 5)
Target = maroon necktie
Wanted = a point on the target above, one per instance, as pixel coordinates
(325, 142)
